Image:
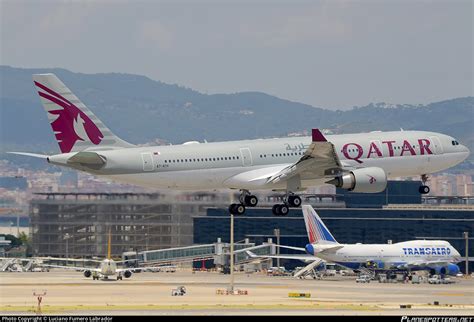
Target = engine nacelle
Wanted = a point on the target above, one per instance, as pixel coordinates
(368, 180)
(127, 274)
(450, 269)
(87, 273)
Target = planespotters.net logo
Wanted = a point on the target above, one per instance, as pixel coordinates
(71, 124)
(437, 319)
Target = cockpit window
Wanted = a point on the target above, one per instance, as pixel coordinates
(454, 142)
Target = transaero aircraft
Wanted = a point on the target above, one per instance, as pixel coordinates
(356, 162)
(436, 256)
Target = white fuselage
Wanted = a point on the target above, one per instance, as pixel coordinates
(108, 267)
(247, 164)
(388, 256)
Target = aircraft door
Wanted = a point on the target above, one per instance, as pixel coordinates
(246, 156)
(436, 143)
(147, 162)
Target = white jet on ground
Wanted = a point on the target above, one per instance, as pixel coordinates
(435, 256)
(107, 268)
(356, 162)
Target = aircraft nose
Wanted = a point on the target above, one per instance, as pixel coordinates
(465, 152)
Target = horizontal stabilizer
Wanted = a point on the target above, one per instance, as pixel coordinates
(35, 155)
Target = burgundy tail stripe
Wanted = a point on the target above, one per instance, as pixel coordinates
(51, 92)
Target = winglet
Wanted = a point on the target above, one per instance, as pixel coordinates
(318, 136)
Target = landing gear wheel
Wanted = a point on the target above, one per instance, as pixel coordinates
(276, 210)
(294, 201)
(237, 209)
(284, 210)
(424, 190)
(280, 210)
(251, 201)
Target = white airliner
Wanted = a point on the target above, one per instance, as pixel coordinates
(436, 256)
(106, 269)
(358, 162)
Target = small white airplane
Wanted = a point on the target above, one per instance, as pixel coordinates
(357, 162)
(106, 269)
(436, 256)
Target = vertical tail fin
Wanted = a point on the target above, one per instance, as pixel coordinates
(318, 233)
(109, 245)
(76, 128)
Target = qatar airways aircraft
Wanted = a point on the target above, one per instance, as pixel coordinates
(435, 256)
(357, 162)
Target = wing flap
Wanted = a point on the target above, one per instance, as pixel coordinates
(319, 161)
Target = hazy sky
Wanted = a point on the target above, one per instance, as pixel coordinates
(331, 54)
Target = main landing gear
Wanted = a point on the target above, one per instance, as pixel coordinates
(424, 189)
(290, 200)
(246, 200)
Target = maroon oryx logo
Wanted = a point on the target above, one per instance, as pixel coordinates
(372, 179)
(70, 120)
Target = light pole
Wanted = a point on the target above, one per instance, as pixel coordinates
(276, 232)
(66, 237)
(146, 241)
(231, 253)
(466, 237)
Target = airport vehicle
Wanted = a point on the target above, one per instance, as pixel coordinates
(357, 162)
(180, 291)
(435, 256)
(107, 268)
(363, 279)
(438, 279)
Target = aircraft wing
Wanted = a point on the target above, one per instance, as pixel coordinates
(131, 269)
(77, 269)
(319, 161)
(302, 257)
(418, 264)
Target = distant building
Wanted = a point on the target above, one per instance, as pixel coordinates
(77, 224)
(348, 225)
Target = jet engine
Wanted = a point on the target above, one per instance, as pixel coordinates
(127, 274)
(368, 180)
(450, 269)
(87, 273)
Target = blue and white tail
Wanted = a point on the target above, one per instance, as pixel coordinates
(318, 233)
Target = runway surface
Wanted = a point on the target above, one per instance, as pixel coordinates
(69, 292)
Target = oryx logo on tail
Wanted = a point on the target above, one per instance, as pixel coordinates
(71, 124)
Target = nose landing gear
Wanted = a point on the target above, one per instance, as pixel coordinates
(424, 189)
